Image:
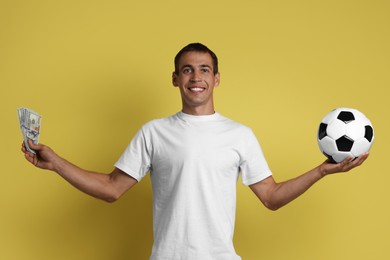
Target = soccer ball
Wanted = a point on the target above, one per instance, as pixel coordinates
(345, 132)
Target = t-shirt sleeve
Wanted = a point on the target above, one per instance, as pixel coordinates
(135, 160)
(253, 165)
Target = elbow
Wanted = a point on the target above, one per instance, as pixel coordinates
(272, 202)
(272, 207)
(111, 197)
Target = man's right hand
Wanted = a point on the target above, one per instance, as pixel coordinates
(108, 187)
(44, 158)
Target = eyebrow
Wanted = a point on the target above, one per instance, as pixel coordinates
(205, 66)
(200, 66)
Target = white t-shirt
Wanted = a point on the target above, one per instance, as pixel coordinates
(194, 163)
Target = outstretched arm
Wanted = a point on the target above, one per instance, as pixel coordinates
(108, 187)
(275, 195)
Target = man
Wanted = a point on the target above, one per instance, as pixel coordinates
(194, 158)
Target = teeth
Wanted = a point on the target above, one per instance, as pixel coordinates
(196, 89)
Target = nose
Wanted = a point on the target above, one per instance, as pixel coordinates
(195, 76)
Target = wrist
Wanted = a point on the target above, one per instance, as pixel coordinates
(322, 170)
(58, 164)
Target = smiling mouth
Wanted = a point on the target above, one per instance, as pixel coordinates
(196, 89)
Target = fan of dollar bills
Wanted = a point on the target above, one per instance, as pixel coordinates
(30, 124)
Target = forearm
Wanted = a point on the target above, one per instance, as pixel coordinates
(275, 195)
(95, 184)
(108, 187)
(287, 191)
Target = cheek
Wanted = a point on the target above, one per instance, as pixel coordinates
(213, 82)
(181, 81)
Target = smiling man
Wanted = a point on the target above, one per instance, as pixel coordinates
(194, 158)
(196, 74)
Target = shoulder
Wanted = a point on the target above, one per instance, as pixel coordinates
(158, 123)
(233, 124)
(242, 133)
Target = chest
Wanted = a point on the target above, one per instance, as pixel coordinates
(202, 149)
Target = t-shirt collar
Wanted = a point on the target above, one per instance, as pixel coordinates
(197, 118)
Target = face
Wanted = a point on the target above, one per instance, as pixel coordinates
(196, 82)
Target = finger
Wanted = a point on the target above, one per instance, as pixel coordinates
(357, 161)
(30, 157)
(24, 149)
(365, 155)
(346, 164)
(361, 158)
(33, 145)
(347, 161)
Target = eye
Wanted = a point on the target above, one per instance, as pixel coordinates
(187, 70)
(205, 70)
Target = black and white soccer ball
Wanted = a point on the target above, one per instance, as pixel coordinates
(345, 132)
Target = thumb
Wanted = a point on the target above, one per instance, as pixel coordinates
(34, 146)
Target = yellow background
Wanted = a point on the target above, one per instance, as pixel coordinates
(97, 70)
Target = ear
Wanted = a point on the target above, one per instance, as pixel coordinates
(174, 79)
(217, 79)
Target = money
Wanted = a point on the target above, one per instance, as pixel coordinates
(30, 124)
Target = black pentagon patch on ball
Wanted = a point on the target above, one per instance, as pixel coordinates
(369, 133)
(344, 144)
(346, 116)
(322, 131)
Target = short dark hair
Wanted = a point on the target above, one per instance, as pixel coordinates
(197, 47)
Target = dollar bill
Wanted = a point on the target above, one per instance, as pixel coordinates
(30, 124)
